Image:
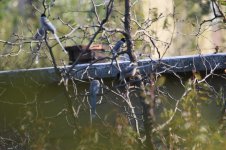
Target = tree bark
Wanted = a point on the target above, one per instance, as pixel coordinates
(147, 114)
(127, 25)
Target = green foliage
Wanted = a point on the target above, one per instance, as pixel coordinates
(3, 8)
(194, 8)
(36, 133)
(189, 128)
(107, 137)
(223, 2)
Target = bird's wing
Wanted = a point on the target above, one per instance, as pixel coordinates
(40, 34)
(117, 46)
(47, 25)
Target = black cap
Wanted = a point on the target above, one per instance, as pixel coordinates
(123, 39)
(43, 15)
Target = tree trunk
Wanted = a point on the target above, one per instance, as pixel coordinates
(127, 26)
(148, 117)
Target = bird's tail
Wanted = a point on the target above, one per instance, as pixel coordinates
(93, 100)
(58, 40)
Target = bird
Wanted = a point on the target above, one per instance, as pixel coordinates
(128, 71)
(117, 46)
(94, 90)
(46, 25)
(216, 49)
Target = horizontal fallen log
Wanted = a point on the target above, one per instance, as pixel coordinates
(177, 64)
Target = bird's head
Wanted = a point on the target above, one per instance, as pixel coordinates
(43, 15)
(123, 40)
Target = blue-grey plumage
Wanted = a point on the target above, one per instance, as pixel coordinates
(46, 24)
(94, 90)
(93, 100)
(117, 46)
(129, 71)
(40, 34)
(94, 87)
